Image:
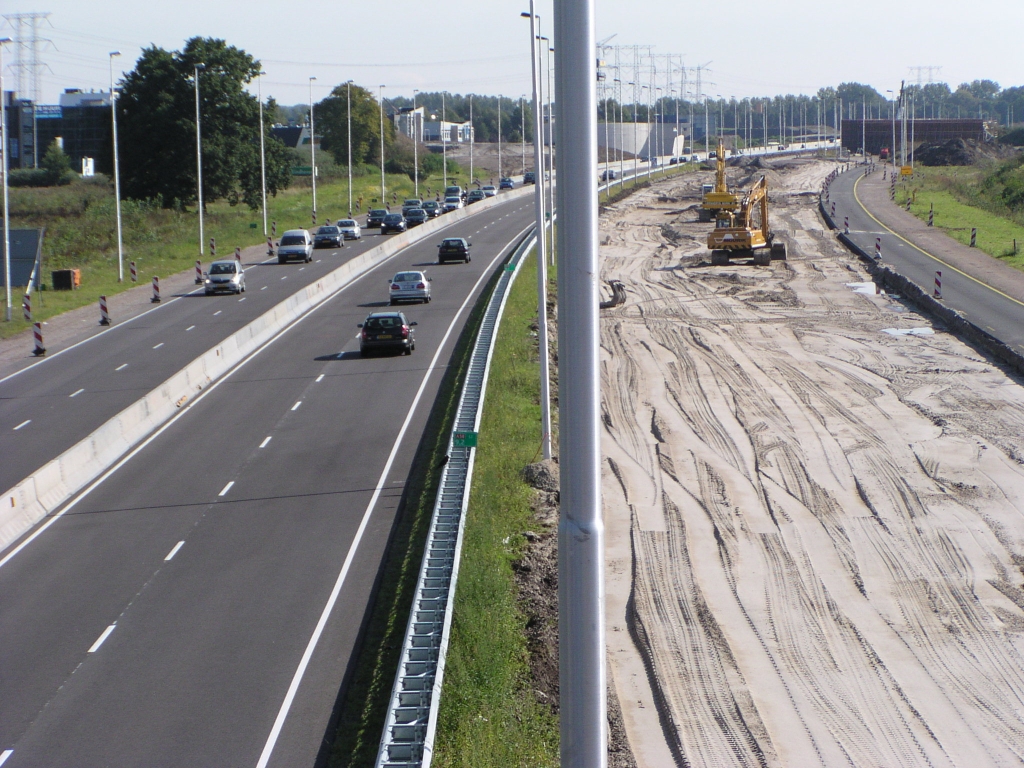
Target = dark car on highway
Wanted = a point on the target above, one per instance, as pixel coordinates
(328, 237)
(433, 208)
(453, 249)
(386, 331)
(393, 222)
(529, 178)
(375, 217)
(415, 216)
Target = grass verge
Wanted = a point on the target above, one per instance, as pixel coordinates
(356, 725)
(81, 232)
(489, 716)
(941, 188)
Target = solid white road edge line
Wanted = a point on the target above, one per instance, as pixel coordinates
(101, 638)
(293, 688)
(226, 488)
(173, 552)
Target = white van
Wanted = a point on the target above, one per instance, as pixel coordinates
(295, 244)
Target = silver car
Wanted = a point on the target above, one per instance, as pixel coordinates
(410, 286)
(452, 203)
(489, 190)
(295, 244)
(227, 275)
(350, 229)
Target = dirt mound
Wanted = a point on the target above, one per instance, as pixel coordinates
(961, 152)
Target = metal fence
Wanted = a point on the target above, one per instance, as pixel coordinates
(408, 738)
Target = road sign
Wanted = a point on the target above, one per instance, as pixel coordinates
(510, 267)
(253, 225)
(302, 170)
(906, 170)
(464, 439)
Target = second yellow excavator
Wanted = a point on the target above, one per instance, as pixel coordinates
(718, 198)
(737, 235)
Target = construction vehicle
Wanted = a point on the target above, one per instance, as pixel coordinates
(719, 198)
(736, 235)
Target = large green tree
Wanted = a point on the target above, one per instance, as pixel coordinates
(331, 119)
(156, 121)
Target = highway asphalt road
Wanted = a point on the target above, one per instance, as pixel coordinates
(50, 406)
(200, 605)
(982, 304)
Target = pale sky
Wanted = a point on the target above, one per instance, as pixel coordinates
(480, 46)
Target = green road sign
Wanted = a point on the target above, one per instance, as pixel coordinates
(510, 267)
(302, 170)
(464, 439)
(253, 225)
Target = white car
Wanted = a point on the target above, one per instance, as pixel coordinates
(410, 286)
(452, 203)
(295, 244)
(489, 190)
(226, 275)
(350, 229)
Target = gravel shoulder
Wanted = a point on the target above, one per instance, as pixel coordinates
(813, 500)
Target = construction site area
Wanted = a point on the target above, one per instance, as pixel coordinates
(814, 501)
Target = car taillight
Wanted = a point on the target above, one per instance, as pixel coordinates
(405, 331)
(365, 334)
(421, 286)
(396, 287)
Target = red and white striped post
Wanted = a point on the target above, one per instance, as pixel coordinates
(26, 307)
(938, 286)
(199, 272)
(273, 229)
(314, 218)
(156, 289)
(846, 224)
(974, 237)
(238, 253)
(833, 210)
(878, 248)
(135, 272)
(270, 247)
(37, 335)
(931, 215)
(908, 203)
(104, 312)
(213, 248)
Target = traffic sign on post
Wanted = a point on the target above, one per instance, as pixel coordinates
(464, 439)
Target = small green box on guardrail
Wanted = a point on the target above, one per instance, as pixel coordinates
(464, 439)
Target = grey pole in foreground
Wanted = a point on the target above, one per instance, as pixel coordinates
(199, 163)
(581, 644)
(117, 169)
(263, 151)
(7, 213)
(542, 261)
(383, 191)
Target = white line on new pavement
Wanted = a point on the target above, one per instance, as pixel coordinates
(296, 406)
(158, 345)
(264, 443)
(173, 552)
(319, 378)
(226, 488)
(121, 367)
(104, 636)
(75, 394)
(24, 423)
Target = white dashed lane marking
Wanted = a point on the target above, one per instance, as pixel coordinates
(173, 552)
(158, 345)
(217, 312)
(104, 636)
(263, 288)
(189, 328)
(121, 367)
(319, 378)
(23, 424)
(296, 406)
(226, 488)
(76, 394)
(264, 443)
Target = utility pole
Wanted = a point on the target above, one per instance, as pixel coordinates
(383, 191)
(117, 167)
(499, 139)
(312, 145)
(27, 40)
(348, 120)
(263, 151)
(582, 657)
(416, 149)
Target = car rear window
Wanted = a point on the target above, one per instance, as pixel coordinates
(293, 240)
(452, 243)
(378, 323)
(407, 277)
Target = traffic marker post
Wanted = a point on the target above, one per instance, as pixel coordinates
(974, 237)
(931, 214)
(273, 229)
(135, 272)
(37, 335)
(833, 210)
(199, 272)
(314, 218)
(908, 202)
(213, 249)
(238, 253)
(270, 247)
(846, 224)
(26, 307)
(156, 290)
(937, 293)
(878, 248)
(104, 312)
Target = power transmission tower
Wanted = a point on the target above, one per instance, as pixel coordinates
(27, 44)
(920, 72)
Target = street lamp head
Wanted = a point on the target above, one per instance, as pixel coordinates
(114, 53)
(199, 67)
(312, 78)
(5, 40)
(524, 14)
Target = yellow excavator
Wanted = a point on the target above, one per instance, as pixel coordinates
(718, 198)
(736, 235)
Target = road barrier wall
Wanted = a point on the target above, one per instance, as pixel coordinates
(49, 487)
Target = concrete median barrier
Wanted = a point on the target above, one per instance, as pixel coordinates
(45, 490)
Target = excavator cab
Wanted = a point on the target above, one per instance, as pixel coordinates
(737, 235)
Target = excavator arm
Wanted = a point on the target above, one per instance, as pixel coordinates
(720, 186)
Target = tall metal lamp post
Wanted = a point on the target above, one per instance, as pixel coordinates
(349, 129)
(415, 147)
(312, 145)
(199, 162)
(263, 150)
(117, 169)
(383, 191)
(7, 215)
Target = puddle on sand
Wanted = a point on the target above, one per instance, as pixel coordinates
(871, 288)
(908, 331)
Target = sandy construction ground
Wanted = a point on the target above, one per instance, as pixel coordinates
(815, 519)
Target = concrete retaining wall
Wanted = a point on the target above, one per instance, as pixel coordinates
(46, 489)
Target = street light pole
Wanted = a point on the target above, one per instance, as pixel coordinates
(542, 262)
(444, 149)
(583, 720)
(199, 162)
(415, 147)
(499, 140)
(472, 137)
(263, 150)
(312, 145)
(6, 168)
(117, 169)
(348, 119)
(522, 130)
(383, 191)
